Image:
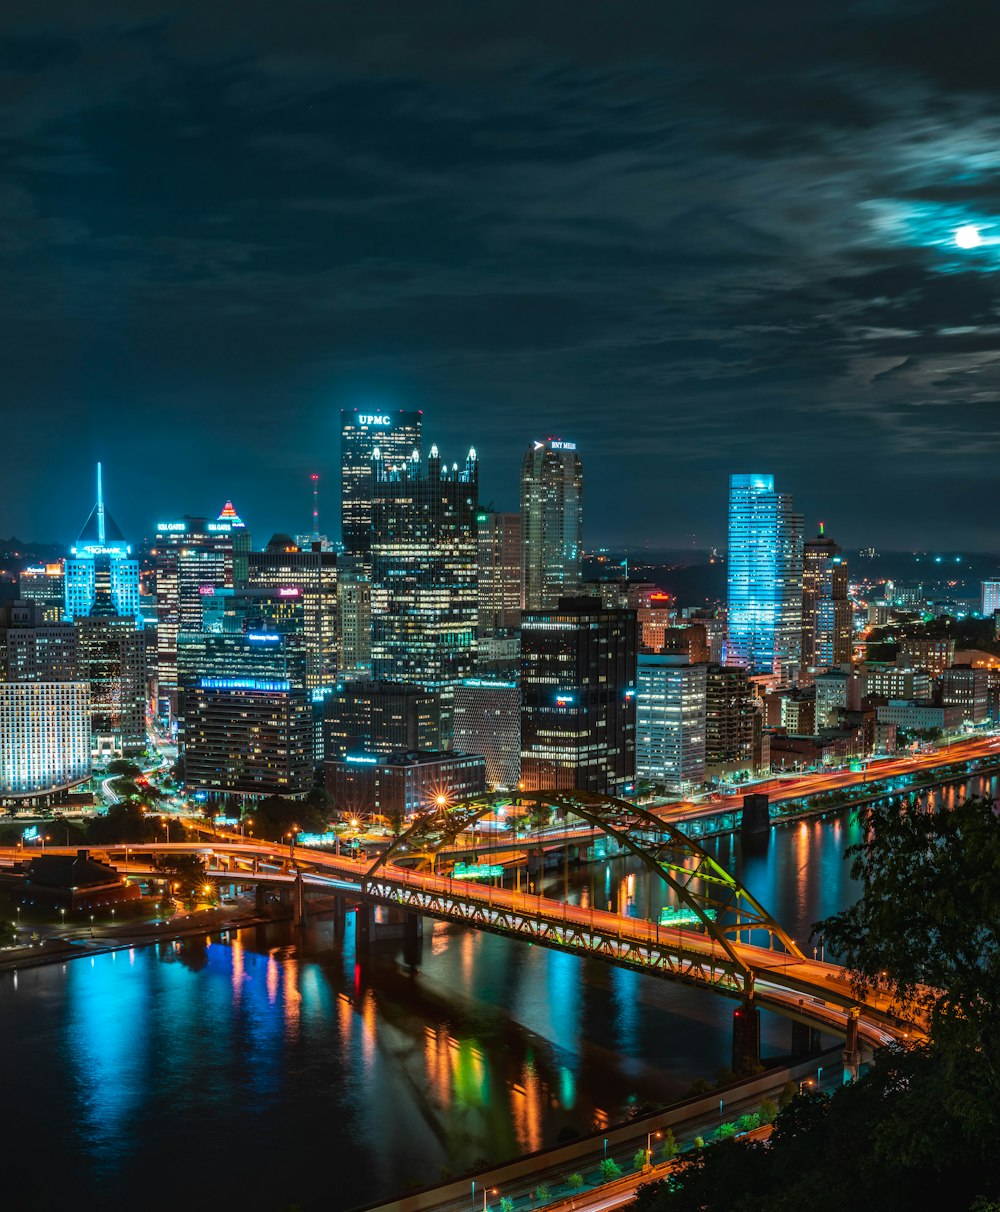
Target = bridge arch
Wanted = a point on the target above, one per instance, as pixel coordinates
(721, 903)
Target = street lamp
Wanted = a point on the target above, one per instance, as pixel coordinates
(649, 1146)
(492, 1191)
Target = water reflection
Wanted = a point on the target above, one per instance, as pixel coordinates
(329, 1082)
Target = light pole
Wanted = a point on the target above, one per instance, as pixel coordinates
(649, 1146)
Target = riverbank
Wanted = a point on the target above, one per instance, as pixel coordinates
(543, 1179)
(77, 943)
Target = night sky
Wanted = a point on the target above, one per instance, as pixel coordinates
(695, 238)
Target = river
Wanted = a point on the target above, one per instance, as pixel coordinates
(267, 1069)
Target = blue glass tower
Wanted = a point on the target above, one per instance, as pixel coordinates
(764, 578)
(101, 563)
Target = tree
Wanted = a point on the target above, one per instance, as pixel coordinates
(926, 930)
(670, 1148)
(768, 1110)
(185, 873)
(574, 1181)
(277, 816)
(726, 1131)
(610, 1170)
(639, 1159)
(125, 768)
(506, 1204)
(747, 1123)
(541, 1192)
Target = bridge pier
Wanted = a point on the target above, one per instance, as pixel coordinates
(259, 898)
(852, 1048)
(746, 1038)
(363, 928)
(339, 917)
(805, 1040)
(755, 818)
(413, 935)
(299, 901)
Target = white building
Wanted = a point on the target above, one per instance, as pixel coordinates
(670, 721)
(44, 737)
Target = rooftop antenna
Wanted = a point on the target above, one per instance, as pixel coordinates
(315, 483)
(821, 530)
(100, 507)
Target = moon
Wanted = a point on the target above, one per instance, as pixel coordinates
(968, 237)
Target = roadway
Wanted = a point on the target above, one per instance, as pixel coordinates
(809, 990)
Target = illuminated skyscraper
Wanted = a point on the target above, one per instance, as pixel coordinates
(551, 522)
(397, 435)
(193, 557)
(765, 578)
(670, 721)
(45, 585)
(500, 590)
(311, 577)
(578, 664)
(826, 608)
(424, 565)
(101, 561)
(354, 627)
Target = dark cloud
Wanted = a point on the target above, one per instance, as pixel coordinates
(697, 238)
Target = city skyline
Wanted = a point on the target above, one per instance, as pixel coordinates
(686, 255)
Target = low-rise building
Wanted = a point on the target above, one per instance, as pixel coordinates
(396, 786)
(919, 715)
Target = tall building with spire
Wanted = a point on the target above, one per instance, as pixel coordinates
(101, 562)
(764, 578)
(551, 522)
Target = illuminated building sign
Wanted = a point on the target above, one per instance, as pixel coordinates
(264, 637)
(562, 445)
(171, 527)
(289, 591)
(243, 684)
(373, 418)
(206, 591)
(563, 699)
(361, 759)
(224, 527)
(671, 916)
(477, 871)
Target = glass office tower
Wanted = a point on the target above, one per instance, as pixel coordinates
(397, 435)
(100, 564)
(765, 578)
(551, 522)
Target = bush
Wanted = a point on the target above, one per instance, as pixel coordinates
(574, 1181)
(610, 1169)
(541, 1192)
(788, 1092)
(726, 1131)
(747, 1123)
(670, 1148)
(639, 1159)
(768, 1110)
(699, 1142)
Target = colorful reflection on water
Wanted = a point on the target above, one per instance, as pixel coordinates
(271, 1067)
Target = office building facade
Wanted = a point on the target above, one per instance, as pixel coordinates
(826, 608)
(578, 669)
(764, 578)
(33, 650)
(487, 720)
(247, 737)
(424, 569)
(44, 738)
(366, 717)
(354, 627)
(398, 786)
(45, 586)
(733, 724)
(670, 722)
(499, 573)
(311, 577)
(551, 522)
(111, 655)
(396, 434)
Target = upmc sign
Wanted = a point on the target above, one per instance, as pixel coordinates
(374, 418)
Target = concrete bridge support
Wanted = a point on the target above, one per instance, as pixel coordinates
(299, 902)
(805, 1040)
(413, 936)
(755, 818)
(260, 898)
(746, 1037)
(339, 917)
(363, 929)
(852, 1049)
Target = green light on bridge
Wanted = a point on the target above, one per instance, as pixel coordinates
(477, 871)
(671, 916)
